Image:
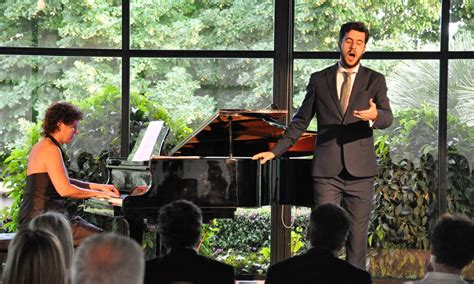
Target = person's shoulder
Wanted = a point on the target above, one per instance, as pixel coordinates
(222, 272)
(154, 267)
(288, 263)
(153, 270)
(45, 146)
(371, 71)
(353, 272)
(286, 271)
(43, 151)
(324, 71)
(215, 263)
(153, 262)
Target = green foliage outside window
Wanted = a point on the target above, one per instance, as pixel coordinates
(26, 82)
(191, 89)
(244, 241)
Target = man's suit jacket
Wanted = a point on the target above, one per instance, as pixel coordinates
(317, 265)
(343, 141)
(185, 264)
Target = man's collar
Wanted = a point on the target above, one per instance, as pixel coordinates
(342, 69)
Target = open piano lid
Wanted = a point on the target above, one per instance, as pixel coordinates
(251, 132)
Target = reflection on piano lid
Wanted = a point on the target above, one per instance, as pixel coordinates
(241, 133)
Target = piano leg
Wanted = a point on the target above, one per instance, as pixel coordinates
(159, 250)
(137, 228)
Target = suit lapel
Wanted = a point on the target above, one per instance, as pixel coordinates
(359, 85)
(331, 81)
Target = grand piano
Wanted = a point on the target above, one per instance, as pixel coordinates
(213, 169)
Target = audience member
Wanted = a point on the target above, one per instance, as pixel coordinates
(59, 225)
(34, 256)
(327, 233)
(179, 227)
(108, 259)
(452, 248)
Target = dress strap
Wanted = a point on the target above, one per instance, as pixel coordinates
(55, 142)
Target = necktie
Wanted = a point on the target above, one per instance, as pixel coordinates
(345, 91)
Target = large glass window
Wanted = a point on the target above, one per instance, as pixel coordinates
(406, 188)
(29, 84)
(43, 23)
(461, 137)
(211, 25)
(394, 25)
(461, 26)
(193, 89)
(185, 90)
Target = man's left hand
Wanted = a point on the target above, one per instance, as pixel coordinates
(367, 114)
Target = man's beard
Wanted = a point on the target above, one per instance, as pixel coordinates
(347, 65)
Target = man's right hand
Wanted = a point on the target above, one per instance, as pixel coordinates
(264, 157)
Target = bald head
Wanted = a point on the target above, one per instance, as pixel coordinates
(108, 258)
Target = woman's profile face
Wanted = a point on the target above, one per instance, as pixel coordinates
(68, 131)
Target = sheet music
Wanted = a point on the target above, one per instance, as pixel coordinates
(147, 144)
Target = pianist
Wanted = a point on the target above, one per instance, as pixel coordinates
(47, 181)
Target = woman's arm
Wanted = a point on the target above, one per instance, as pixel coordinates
(57, 172)
(95, 186)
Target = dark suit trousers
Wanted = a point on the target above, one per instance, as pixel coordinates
(356, 196)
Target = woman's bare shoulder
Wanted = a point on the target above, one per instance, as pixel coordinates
(44, 146)
(42, 152)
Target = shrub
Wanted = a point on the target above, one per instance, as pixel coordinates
(406, 188)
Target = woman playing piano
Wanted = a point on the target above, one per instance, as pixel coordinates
(47, 181)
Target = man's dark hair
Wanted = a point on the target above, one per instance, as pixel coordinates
(358, 26)
(452, 240)
(329, 225)
(179, 224)
(60, 112)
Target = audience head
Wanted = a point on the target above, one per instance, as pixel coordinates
(179, 224)
(34, 256)
(452, 241)
(60, 112)
(57, 224)
(108, 258)
(329, 227)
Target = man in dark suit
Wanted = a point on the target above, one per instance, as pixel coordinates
(179, 226)
(349, 101)
(328, 229)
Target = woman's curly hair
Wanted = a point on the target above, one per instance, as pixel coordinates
(60, 112)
